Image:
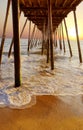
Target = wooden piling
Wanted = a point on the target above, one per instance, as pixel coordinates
(63, 38)
(43, 37)
(29, 36)
(77, 36)
(4, 30)
(48, 50)
(56, 39)
(50, 33)
(11, 45)
(48, 47)
(68, 38)
(60, 44)
(15, 15)
(23, 27)
(10, 49)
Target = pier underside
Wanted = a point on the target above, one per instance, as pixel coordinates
(37, 10)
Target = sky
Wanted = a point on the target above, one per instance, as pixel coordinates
(69, 20)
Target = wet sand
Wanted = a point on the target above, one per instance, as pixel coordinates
(49, 113)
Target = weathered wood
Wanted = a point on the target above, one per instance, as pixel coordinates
(48, 58)
(37, 9)
(4, 30)
(11, 45)
(29, 36)
(23, 27)
(43, 38)
(10, 49)
(65, 1)
(48, 46)
(44, 16)
(77, 36)
(50, 33)
(17, 65)
(63, 38)
(56, 39)
(68, 38)
(60, 44)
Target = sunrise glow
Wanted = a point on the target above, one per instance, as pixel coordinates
(72, 33)
(69, 20)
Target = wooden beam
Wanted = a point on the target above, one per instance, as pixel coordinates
(56, 3)
(63, 38)
(77, 36)
(38, 2)
(22, 2)
(15, 15)
(44, 15)
(36, 8)
(65, 1)
(50, 33)
(68, 38)
(74, 2)
(29, 3)
(4, 30)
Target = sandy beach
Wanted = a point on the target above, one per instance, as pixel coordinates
(49, 113)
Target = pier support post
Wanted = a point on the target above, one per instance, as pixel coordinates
(48, 45)
(60, 38)
(68, 38)
(29, 36)
(11, 45)
(48, 50)
(56, 39)
(63, 38)
(23, 27)
(10, 49)
(43, 37)
(50, 33)
(15, 15)
(4, 30)
(77, 36)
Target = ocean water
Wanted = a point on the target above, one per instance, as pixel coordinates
(37, 77)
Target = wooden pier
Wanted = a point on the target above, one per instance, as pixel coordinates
(47, 16)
